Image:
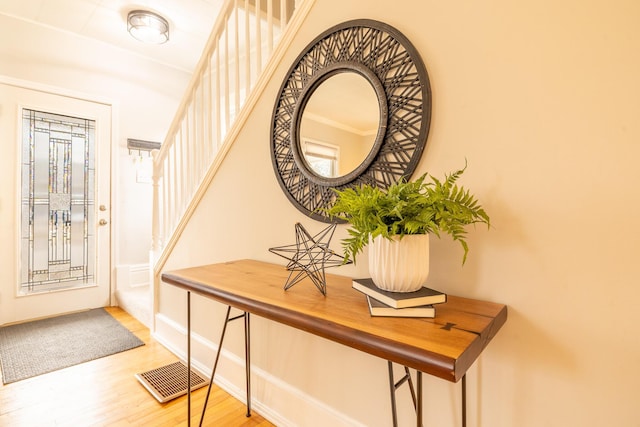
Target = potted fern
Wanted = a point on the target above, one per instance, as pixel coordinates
(396, 223)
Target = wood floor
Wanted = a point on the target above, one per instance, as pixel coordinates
(104, 392)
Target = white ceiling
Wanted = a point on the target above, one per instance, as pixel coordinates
(190, 23)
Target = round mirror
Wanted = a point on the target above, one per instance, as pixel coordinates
(363, 77)
(339, 124)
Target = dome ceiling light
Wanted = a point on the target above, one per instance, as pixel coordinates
(147, 26)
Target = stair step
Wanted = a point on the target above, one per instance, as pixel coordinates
(137, 302)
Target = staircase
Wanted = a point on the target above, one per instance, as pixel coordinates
(247, 42)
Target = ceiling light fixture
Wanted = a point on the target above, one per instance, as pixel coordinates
(147, 26)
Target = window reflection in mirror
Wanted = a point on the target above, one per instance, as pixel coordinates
(341, 119)
(322, 158)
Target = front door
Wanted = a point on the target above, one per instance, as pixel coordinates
(62, 203)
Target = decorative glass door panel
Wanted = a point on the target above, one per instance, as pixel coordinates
(58, 244)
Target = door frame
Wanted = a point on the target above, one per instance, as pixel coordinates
(109, 122)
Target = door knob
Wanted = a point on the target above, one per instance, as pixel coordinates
(103, 222)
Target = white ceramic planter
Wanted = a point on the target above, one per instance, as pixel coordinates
(399, 265)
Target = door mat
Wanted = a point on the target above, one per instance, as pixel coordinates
(34, 348)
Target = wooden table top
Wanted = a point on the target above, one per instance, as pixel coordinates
(445, 346)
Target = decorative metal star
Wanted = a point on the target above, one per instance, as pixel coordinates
(310, 255)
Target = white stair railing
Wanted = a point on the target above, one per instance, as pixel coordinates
(246, 42)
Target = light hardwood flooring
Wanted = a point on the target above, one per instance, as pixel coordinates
(104, 392)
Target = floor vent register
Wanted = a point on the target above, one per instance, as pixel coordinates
(170, 381)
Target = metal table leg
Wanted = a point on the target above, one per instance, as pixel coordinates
(215, 364)
(419, 405)
(393, 386)
(464, 400)
(227, 319)
(188, 359)
(417, 399)
(247, 360)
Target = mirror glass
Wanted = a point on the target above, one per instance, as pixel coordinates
(339, 124)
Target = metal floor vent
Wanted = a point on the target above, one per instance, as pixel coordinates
(170, 381)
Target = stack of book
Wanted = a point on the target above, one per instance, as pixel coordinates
(420, 303)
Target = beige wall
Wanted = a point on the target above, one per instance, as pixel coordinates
(541, 98)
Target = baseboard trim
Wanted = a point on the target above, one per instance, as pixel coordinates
(286, 406)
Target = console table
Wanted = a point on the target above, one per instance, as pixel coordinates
(445, 346)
